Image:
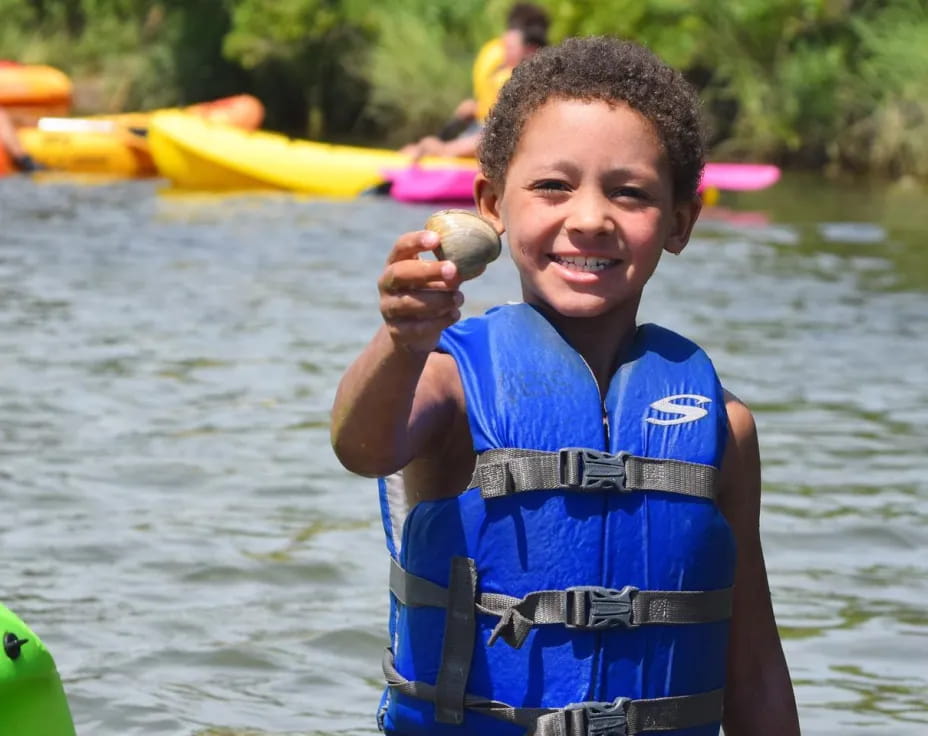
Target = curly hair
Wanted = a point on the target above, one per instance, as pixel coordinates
(606, 69)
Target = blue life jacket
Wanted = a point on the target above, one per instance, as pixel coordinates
(510, 612)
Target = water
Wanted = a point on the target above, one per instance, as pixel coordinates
(177, 529)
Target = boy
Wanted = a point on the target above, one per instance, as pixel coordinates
(573, 486)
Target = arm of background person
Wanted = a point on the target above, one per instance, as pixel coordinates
(466, 109)
(465, 146)
(759, 698)
(8, 138)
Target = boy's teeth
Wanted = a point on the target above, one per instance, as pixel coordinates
(584, 263)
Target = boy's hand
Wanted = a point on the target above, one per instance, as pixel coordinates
(418, 297)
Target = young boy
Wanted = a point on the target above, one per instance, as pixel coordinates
(566, 489)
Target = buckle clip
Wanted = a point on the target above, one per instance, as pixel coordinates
(604, 718)
(594, 607)
(579, 467)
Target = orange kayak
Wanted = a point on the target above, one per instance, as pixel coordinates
(239, 111)
(34, 90)
(6, 166)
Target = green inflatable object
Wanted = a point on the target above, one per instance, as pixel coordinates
(32, 700)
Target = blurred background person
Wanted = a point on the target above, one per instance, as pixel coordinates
(526, 32)
(10, 142)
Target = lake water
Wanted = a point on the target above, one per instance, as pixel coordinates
(176, 528)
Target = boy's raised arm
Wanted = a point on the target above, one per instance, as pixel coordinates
(397, 391)
(759, 697)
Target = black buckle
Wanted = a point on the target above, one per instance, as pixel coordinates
(579, 467)
(594, 607)
(604, 718)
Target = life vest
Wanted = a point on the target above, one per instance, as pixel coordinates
(598, 605)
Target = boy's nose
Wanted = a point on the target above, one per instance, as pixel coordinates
(590, 215)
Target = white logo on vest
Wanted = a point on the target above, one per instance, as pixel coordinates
(684, 412)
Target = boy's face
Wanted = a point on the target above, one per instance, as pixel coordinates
(588, 207)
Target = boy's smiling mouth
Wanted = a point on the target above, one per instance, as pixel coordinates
(588, 264)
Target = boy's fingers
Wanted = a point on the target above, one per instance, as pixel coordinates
(414, 274)
(449, 271)
(409, 245)
(421, 304)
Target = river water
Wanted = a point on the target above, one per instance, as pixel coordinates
(176, 528)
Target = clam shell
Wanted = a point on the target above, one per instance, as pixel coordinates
(467, 239)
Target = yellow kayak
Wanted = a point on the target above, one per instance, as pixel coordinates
(196, 154)
(117, 152)
(116, 145)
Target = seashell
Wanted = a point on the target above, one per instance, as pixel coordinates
(467, 239)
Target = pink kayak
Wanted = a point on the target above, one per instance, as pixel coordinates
(739, 177)
(456, 184)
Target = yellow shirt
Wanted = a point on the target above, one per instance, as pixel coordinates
(489, 75)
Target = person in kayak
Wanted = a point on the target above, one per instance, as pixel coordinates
(526, 26)
(570, 498)
(526, 32)
(11, 144)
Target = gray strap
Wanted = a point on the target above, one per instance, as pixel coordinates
(412, 590)
(501, 472)
(595, 608)
(525, 717)
(625, 716)
(458, 642)
(581, 607)
(621, 717)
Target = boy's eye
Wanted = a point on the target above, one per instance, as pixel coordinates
(630, 192)
(551, 185)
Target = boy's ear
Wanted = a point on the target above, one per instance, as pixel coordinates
(487, 198)
(685, 215)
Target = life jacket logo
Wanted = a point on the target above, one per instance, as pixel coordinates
(683, 412)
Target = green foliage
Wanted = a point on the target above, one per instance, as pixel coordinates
(17, 16)
(266, 29)
(419, 72)
(310, 48)
(669, 27)
(886, 102)
(755, 50)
